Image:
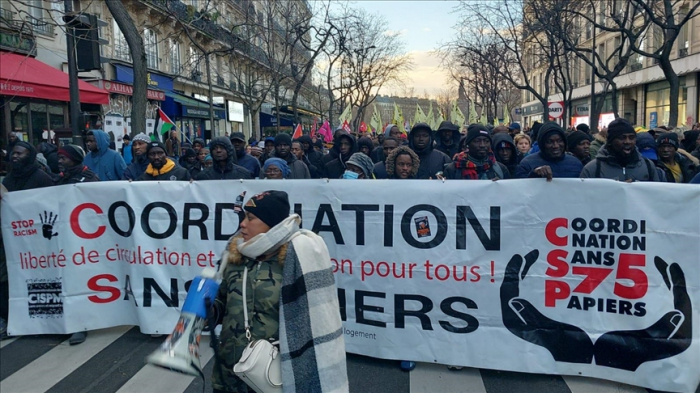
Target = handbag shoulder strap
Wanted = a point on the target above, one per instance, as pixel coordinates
(245, 303)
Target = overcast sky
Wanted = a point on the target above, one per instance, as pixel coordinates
(424, 26)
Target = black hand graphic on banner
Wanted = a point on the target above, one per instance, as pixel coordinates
(669, 336)
(48, 220)
(566, 343)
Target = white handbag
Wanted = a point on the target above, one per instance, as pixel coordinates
(260, 366)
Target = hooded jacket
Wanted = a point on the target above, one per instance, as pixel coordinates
(136, 168)
(606, 166)
(452, 149)
(335, 168)
(230, 171)
(77, 174)
(515, 158)
(597, 143)
(431, 161)
(566, 166)
(28, 177)
(50, 152)
(334, 152)
(248, 162)
(314, 157)
(107, 164)
(688, 167)
(297, 169)
(390, 163)
(377, 154)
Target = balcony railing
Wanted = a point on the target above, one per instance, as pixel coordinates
(635, 67)
(42, 27)
(683, 52)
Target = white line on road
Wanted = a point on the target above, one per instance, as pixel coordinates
(587, 385)
(8, 341)
(430, 378)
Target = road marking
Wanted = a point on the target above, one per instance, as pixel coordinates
(7, 341)
(56, 364)
(587, 385)
(430, 378)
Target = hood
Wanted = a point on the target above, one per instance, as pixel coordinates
(102, 140)
(306, 139)
(502, 137)
(417, 127)
(390, 163)
(46, 148)
(387, 130)
(200, 141)
(336, 145)
(226, 143)
(365, 141)
(455, 134)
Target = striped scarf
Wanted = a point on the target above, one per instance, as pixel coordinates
(474, 170)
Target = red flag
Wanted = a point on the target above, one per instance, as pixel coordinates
(297, 132)
(346, 127)
(363, 127)
(325, 131)
(313, 128)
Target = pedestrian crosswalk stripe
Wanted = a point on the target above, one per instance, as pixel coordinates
(430, 378)
(587, 385)
(42, 373)
(20, 353)
(8, 341)
(154, 379)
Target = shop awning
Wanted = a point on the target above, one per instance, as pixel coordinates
(24, 76)
(288, 109)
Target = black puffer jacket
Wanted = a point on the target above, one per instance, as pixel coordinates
(688, 169)
(431, 161)
(314, 157)
(453, 148)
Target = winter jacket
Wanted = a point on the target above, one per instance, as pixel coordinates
(567, 166)
(431, 161)
(596, 145)
(499, 171)
(196, 170)
(452, 149)
(688, 169)
(379, 170)
(30, 178)
(107, 164)
(377, 154)
(498, 140)
(50, 152)
(127, 153)
(606, 166)
(335, 168)
(314, 157)
(250, 163)
(230, 172)
(298, 170)
(77, 174)
(176, 173)
(136, 168)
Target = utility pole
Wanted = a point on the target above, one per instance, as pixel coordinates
(73, 78)
(593, 71)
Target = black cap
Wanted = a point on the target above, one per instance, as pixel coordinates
(618, 127)
(669, 138)
(154, 144)
(238, 135)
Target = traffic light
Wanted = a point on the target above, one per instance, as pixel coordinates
(87, 39)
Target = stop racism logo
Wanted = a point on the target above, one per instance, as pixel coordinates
(556, 109)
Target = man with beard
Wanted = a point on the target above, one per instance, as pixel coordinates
(140, 161)
(72, 170)
(106, 163)
(224, 168)
(11, 141)
(161, 167)
(551, 161)
(283, 150)
(447, 138)
(242, 157)
(432, 162)
(619, 158)
(579, 144)
(389, 144)
(678, 167)
(345, 145)
(25, 173)
(478, 162)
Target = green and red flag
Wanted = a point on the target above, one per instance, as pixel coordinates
(163, 123)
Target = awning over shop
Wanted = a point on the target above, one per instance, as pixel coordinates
(288, 109)
(24, 76)
(192, 107)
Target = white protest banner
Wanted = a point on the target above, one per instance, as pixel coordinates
(568, 277)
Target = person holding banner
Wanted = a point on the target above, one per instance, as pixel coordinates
(402, 163)
(106, 163)
(478, 162)
(224, 168)
(550, 160)
(292, 294)
(161, 167)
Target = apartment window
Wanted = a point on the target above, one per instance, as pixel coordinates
(682, 40)
(174, 48)
(150, 43)
(36, 11)
(195, 64)
(121, 48)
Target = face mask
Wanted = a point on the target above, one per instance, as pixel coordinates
(350, 175)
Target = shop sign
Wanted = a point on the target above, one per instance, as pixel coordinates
(188, 111)
(532, 109)
(126, 75)
(18, 43)
(582, 110)
(556, 109)
(121, 88)
(235, 111)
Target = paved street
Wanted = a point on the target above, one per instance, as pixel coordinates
(112, 360)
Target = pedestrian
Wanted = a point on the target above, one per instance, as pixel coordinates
(107, 164)
(25, 172)
(359, 166)
(315, 157)
(126, 151)
(242, 157)
(140, 159)
(392, 131)
(513, 129)
(198, 144)
(283, 150)
(583, 127)
(479, 161)
(579, 145)
(677, 167)
(551, 161)
(161, 167)
(279, 275)
(188, 159)
(504, 149)
(72, 170)
(172, 145)
(365, 146)
(223, 167)
(432, 162)
(300, 154)
(11, 141)
(345, 146)
(388, 145)
(619, 159)
(447, 138)
(402, 163)
(600, 138)
(275, 168)
(269, 149)
(522, 142)
(534, 131)
(50, 152)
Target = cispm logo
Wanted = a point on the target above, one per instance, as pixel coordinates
(44, 298)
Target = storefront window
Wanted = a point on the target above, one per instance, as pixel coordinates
(39, 119)
(18, 117)
(658, 103)
(56, 117)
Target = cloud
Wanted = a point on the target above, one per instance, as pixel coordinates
(427, 29)
(426, 75)
(396, 32)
